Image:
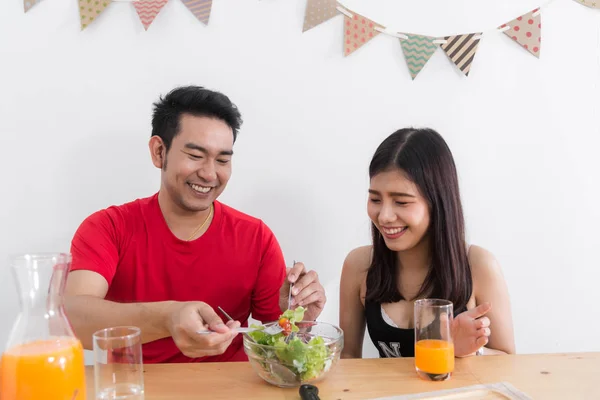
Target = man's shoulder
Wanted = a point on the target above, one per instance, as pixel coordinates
(236, 216)
(120, 213)
(244, 223)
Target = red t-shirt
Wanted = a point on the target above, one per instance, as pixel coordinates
(236, 264)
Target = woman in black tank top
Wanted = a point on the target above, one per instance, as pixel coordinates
(419, 251)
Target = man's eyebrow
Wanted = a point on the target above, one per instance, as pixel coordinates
(193, 146)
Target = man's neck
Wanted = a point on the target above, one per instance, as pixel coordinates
(181, 222)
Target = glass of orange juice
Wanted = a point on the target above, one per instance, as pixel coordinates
(434, 348)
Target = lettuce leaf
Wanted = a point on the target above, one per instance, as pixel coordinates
(261, 337)
(294, 315)
(316, 358)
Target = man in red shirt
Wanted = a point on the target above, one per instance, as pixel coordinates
(166, 262)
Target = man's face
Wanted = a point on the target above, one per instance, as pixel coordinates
(197, 167)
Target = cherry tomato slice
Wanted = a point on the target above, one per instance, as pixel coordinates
(283, 322)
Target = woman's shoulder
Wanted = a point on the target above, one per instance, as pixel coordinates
(358, 260)
(481, 260)
(354, 272)
(485, 268)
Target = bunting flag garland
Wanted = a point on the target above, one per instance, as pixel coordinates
(200, 8)
(358, 30)
(527, 31)
(148, 10)
(90, 9)
(417, 50)
(590, 3)
(27, 4)
(461, 50)
(317, 12)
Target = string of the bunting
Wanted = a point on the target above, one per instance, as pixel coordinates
(418, 49)
(358, 29)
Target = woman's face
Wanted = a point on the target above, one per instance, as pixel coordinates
(398, 210)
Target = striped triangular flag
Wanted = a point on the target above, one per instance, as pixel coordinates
(148, 10)
(590, 3)
(461, 50)
(358, 30)
(417, 50)
(318, 11)
(27, 4)
(200, 9)
(89, 10)
(527, 31)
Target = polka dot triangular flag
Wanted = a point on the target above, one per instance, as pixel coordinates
(318, 11)
(89, 10)
(200, 8)
(590, 3)
(417, 50)
(527, 31)
(358, 30)
(27, 4)
(148, 10)
(461, 50)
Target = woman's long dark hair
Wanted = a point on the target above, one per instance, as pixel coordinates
(424, 156)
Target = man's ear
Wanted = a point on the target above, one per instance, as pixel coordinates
(158, 152)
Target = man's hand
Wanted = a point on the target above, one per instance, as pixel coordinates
(307, 291)
(186, 319)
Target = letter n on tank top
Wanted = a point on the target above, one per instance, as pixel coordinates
(391, 351)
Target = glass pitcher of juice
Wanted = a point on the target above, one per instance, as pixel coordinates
(43, 359)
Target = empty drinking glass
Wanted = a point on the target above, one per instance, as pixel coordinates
(118, 366)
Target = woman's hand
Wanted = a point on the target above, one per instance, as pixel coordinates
(471, 330)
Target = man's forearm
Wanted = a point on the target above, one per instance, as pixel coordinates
(89, 314)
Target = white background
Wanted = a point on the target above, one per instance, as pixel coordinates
(75, 121)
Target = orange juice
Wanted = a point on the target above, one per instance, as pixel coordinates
(50, 369)
(434, 356)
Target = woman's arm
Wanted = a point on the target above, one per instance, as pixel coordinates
(490, 287)
(352, 312)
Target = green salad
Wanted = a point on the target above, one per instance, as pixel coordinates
(306, 360)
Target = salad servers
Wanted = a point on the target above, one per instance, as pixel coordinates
(293, 334)
(271, 330)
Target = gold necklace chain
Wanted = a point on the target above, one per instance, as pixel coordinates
(204, 223)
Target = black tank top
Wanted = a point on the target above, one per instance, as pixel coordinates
(389, 340)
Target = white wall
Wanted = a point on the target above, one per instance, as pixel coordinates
(75, 114)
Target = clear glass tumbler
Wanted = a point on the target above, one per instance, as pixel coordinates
(118, 365)
(434, 348)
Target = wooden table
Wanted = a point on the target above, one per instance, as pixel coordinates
(552, 376)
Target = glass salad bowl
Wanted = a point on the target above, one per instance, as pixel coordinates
(307, 356)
